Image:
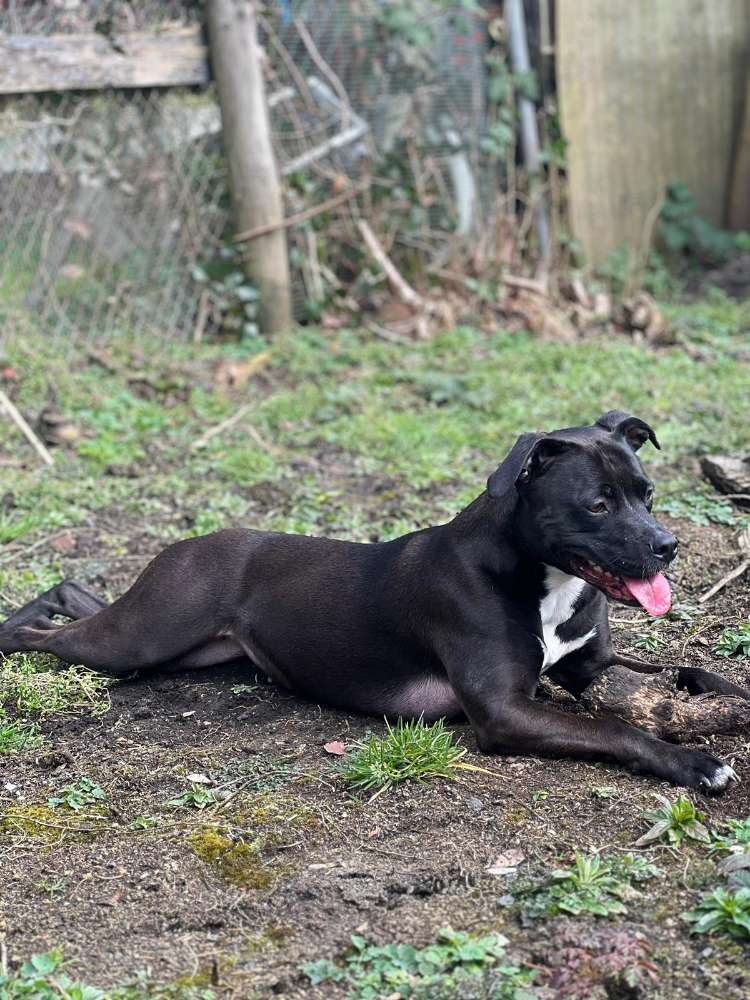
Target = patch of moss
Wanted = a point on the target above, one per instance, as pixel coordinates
(265, 810)
(515, 817)
(272, 937)
(236, 861)
(45, 824)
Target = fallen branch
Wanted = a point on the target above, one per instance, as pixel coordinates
(298, 217)
(27, 432)
(653, 702)
(400, 286)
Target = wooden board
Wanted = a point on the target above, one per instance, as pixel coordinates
(35, 63)
(649, 93)
(739, 195)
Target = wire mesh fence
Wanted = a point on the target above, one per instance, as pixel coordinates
(113, 201)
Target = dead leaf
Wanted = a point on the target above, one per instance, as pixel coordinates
(233, 375)
(64, 543)
(506, 863)
(198, 779)
(336, 747)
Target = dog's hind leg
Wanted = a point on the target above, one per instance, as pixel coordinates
(68, 600)
(179, 604)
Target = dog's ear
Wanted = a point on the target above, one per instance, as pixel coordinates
(632, 429)
(530, 456)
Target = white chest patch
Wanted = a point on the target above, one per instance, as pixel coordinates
(556, 608)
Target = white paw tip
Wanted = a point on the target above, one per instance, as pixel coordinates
(721, 777)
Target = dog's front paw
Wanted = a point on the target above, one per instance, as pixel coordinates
(695, 769)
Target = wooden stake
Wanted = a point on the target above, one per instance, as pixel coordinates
(253, 175)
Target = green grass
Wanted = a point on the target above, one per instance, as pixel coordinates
(435, 418)
(410, 751)
(34, 687)
(17, 736)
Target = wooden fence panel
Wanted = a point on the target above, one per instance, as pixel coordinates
(34, 63)
(650, 92)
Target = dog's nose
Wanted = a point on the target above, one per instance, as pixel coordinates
(664, 546)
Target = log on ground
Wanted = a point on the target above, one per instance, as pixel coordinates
(654, 703)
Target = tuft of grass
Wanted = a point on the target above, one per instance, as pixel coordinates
(674, 822)
(17, 737)
(595, 885)
(457, 965)
(410, 751)
(32, 689)
(722, 912)
(734, 641)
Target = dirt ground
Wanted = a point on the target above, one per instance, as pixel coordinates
(121, 900)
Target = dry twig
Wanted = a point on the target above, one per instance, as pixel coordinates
(27, 432)
(398, 283)
(308, 213)
(744, 545)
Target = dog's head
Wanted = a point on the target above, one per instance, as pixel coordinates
(580, 500)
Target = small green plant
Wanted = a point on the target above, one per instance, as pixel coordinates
(593, 885)
(453, 967)
(699, 508)
(674, 822)
(143, 823)
(196, 797)
(722, 912)
(410, 751)
(604, 792)
(44, 977)
(16, 737)
(734, 641)
(736, 840)
(651, 641)
(84, 793)
(232, 302)
(683, 232)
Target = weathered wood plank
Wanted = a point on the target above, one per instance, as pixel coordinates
(35, 63)
(649, 93)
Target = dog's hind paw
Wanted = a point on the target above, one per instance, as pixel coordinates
(695, 769)
(721, 777)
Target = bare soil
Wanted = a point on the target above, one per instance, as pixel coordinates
(398, 868)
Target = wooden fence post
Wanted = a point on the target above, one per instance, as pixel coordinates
(253, 175)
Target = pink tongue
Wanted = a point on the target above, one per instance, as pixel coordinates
(653, 594)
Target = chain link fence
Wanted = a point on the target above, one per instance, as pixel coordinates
(113, 201)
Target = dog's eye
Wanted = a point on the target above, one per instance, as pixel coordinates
(599, 507)
(649, 499)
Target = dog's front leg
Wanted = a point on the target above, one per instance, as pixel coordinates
(495, 685)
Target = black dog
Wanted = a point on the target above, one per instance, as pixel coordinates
(459, 618)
